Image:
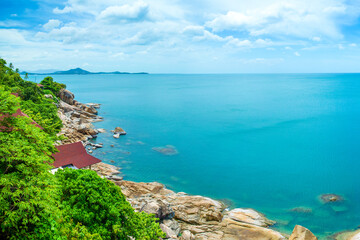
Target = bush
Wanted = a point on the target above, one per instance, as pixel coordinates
(99, 205)
(51, 85)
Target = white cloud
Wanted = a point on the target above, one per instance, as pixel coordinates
(51, 24)
(297, 54)
(296, 18)
(66, 9)
(316, 39)
(12, 37)
(352, 45)
(341, 47)
(137, 11)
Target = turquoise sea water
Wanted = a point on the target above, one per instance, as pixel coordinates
(268, 142)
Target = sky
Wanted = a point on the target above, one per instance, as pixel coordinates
(192, 36)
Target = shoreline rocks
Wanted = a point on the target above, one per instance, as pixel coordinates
(77, 122)
(184, 216)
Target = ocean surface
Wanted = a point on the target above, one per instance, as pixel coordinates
(272, 142)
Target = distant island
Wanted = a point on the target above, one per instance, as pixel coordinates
(80, 71)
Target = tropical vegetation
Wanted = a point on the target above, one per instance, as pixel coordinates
(36, 204)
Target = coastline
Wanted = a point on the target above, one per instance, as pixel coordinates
(182, 216)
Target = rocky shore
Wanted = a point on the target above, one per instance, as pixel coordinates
(181, 216)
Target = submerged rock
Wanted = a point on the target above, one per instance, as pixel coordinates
(302, 233)
(329, 197)
(167, 150)
(301, 210)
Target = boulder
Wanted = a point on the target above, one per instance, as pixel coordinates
(49, 96)
(91, 110)
(169, 233)
(116, 178)
(187, 235)
(66, 96)
(301, 233)
(120, 131)
(240, 230)
(116, 135)
(101, 130)
(66, 107)
(249, 216)
(197, 209)
(173, 225)
(161, 209)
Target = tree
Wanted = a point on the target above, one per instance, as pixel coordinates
(99, 205)
(11, 66)
(50, 84)
(26, 76)
(28, 201)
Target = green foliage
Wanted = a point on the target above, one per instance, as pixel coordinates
(35, 204)
(40, 109)
(99, 205)
(28, 200)
(50, 84)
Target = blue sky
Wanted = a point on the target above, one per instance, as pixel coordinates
(170, 36)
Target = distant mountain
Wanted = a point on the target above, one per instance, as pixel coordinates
(80, 71)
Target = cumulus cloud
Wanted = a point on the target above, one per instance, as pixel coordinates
(142, 38)
(135, 12)
(290, 18)
(51, 24)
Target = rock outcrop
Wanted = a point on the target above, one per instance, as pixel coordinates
(188, 217)
(76, 118)
(66, 96)
(302, 233)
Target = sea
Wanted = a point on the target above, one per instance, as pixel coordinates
(271, 142)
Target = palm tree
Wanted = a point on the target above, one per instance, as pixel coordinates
(11, 66)
(26, 76)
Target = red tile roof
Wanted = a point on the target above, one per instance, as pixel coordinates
(75, 154)
(39, 85)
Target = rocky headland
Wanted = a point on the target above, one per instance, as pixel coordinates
(181, 216)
